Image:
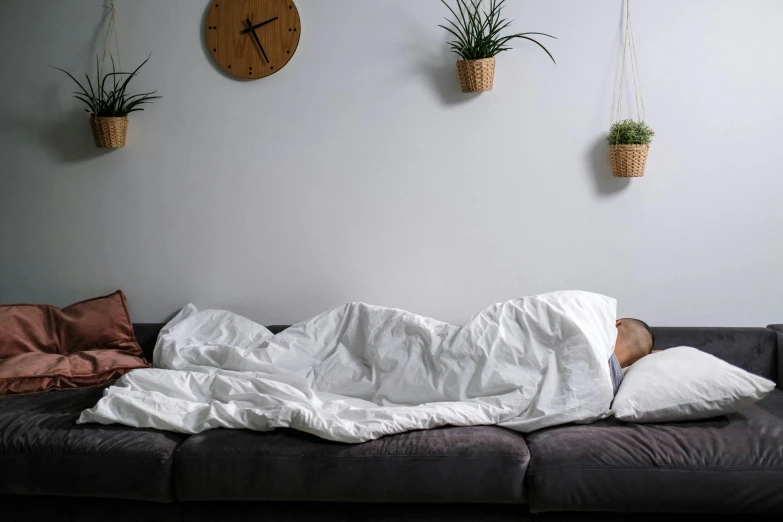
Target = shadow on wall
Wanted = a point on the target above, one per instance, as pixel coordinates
(436, 63)
(70, 138)
(601, 170)
(66, 135)
(440, 70)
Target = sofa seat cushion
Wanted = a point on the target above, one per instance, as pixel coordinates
(43, 451)
(732, 463)
(452, 464)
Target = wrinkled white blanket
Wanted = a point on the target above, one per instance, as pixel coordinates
(359, 372)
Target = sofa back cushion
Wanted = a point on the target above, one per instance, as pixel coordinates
(44, 348)
(752, 349)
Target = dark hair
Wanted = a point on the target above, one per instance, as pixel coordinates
(646, 328)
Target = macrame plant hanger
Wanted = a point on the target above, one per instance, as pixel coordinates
(111, 34)
(637, 83)
(629, 161)
(109, 131)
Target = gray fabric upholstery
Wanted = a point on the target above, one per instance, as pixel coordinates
(483, 464)
(81, 509)
(752, 349)
(146, 335)
(61, 509)
(350, 512)
(43, 451)
(726, 464)
(778, 329)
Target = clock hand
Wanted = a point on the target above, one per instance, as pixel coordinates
(259, 25)
(253, 32)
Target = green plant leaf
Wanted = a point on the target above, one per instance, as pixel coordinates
(478, 32)
(111, 98)
(460, 19)
(542, 34)
(457, 36)
(143, 94)
(541, 46)
(86, 101)
(74, 79)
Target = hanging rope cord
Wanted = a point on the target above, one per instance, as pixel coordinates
(110, 32)
(629, 43)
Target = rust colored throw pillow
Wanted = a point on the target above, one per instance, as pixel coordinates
(45, 348)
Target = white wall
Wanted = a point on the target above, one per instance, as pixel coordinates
(360, 172)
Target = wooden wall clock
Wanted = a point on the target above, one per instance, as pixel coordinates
(252, 38)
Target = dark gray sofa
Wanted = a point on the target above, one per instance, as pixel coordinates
(51, 468)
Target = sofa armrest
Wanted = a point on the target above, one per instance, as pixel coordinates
(778, 329)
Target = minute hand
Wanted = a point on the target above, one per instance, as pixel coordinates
(253, 32)
(258, 25)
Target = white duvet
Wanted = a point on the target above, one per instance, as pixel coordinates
(359, 372)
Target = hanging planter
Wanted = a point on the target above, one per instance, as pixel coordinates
(109, 132)
(108, 100)
(478, 41)
(628, 161)
(629, 143)
(629, 140)
(109, 104)
(476, 75)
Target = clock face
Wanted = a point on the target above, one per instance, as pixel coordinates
(252, 38)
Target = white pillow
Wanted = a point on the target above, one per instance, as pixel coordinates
(684, 383)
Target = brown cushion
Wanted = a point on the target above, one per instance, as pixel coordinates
(44, 348)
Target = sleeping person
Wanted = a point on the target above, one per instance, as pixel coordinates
(360, 371)
(635, 339)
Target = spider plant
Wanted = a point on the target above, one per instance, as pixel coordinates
(109, 96)
(478, 32)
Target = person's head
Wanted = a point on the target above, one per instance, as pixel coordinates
(634, 341)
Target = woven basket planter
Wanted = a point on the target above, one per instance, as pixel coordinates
(628, 161)
(476, 75)
(109, 133)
